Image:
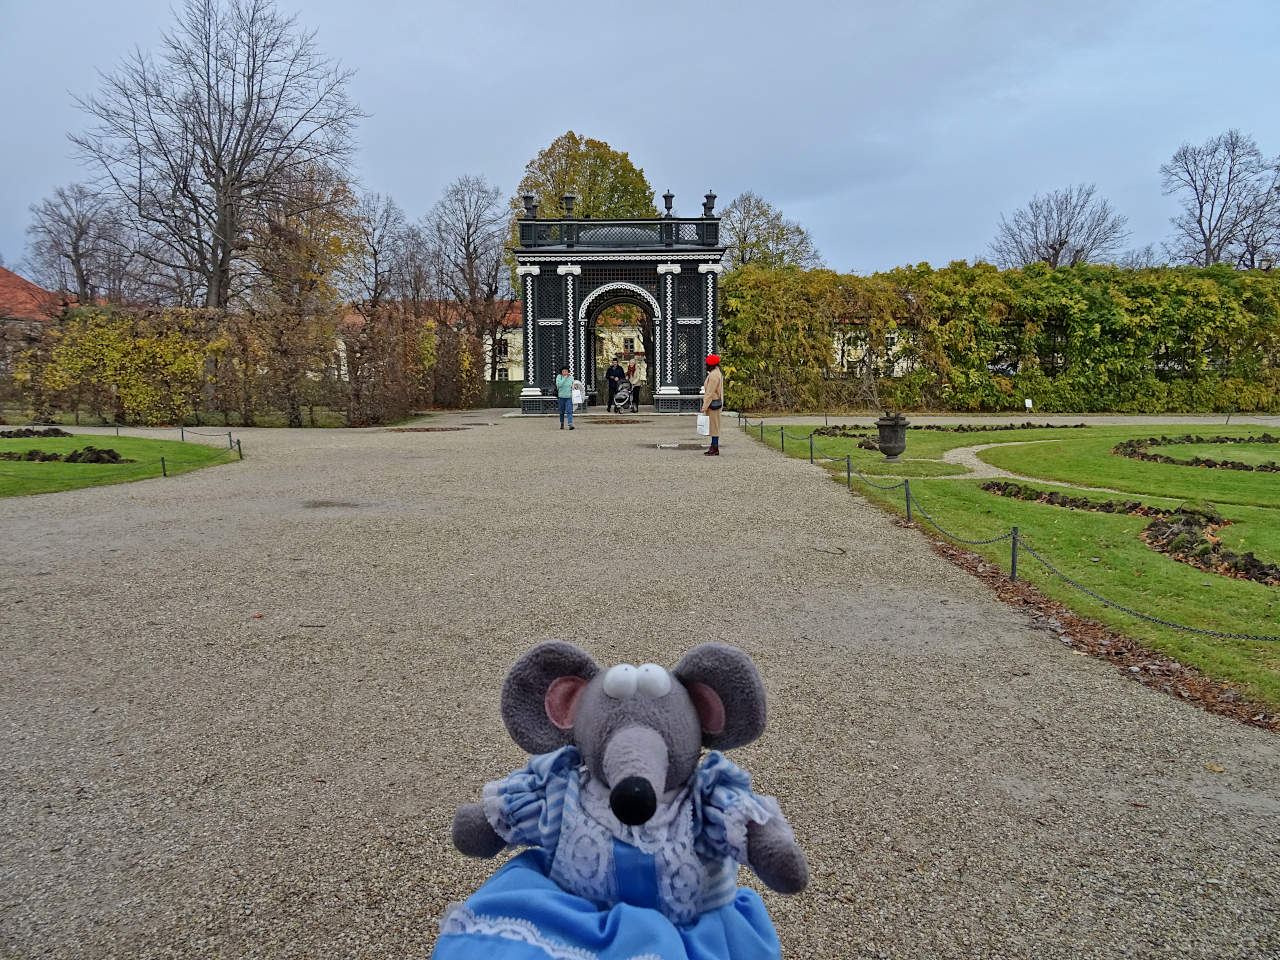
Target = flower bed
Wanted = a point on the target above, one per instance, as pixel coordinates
(87, 455)
(28, 433)
(1188, 534)
(1136, 450)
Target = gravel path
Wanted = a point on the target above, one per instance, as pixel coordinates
(240, 705)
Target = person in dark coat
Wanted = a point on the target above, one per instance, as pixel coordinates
(614, 375)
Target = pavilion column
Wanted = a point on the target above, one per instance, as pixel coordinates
(575, 340)
(711, 314)
(526, 275)
(665, 332)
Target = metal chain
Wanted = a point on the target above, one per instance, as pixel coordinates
(1134, 613)
(947, 533)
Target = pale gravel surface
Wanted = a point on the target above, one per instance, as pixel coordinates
(184, 780)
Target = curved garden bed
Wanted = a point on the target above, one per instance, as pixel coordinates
(1136, 449)
(1188, 533)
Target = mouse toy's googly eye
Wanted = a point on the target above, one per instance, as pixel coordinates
(654, 680)
(620, 681)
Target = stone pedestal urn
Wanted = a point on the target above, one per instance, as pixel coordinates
(893, 435)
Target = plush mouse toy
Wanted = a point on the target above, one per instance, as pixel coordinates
(637, 836)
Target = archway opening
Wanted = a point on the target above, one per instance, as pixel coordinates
(623, 330)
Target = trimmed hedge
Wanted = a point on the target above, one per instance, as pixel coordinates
(973, 337)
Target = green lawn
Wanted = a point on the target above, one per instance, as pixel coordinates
(1252, 453)
(18, 478)
(1102, 551)
(1088, 460)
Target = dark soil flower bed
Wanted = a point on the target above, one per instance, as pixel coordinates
(1188, 534)
(1136, 450)
(87, 455)
(28, 433)
(854, 430)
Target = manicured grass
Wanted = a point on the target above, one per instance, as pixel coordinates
(1252, 453)
(1087, 459)
(1102, 551)
(18, 478)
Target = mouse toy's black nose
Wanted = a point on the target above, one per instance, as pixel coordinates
(632, 801)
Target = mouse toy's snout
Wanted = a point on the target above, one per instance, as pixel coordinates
(633, 801)
(635, 770)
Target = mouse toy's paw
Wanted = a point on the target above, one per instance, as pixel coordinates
(472, 833)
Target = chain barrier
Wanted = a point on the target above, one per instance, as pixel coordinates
(164, 462)
(1134, 613)
(1019, 542)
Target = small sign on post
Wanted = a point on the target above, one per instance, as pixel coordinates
(1028, 404)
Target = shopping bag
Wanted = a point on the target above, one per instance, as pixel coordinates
(577, 398)
(704, 425)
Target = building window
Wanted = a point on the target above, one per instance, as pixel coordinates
(502, 372)
(628, 345)
(500, 347)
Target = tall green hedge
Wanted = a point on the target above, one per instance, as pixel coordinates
(972, 337)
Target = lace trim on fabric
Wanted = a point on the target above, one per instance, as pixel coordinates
(459, 921)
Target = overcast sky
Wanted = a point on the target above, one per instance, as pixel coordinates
(895, 133)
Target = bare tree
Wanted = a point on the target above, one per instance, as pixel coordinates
(1062, 228)
(380, 227)
(1223, 185)
(1139, 258)
(468, 227)
(1259, 237)
(239, 101)
(68, 239)
(756, 232)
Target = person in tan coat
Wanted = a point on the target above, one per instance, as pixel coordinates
(713, 401)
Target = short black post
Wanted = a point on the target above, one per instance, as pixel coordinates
(182, 433)
(906, 486)
(824, 419)
(229, 443)
(762, 431)
(239, 450)
(117, 429)
(811, 448)
(164, 471)
(848, 471)
(1013, 557)
(782, 439)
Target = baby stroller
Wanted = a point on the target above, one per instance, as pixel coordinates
(626, 397)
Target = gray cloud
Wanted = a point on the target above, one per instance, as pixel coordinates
(895, 133)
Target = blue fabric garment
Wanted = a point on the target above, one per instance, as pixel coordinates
(566, 407)
(591, 891)
(521, 914)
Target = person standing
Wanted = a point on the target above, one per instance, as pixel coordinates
(713, 401)
(564, 396)
(614, 375)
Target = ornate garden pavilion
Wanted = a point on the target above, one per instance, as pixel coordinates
(573, 269)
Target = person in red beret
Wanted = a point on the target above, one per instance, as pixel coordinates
(713, 401)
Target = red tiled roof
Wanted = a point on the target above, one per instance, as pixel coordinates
(22, 300)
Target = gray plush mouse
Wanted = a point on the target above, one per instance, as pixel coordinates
(621, 804)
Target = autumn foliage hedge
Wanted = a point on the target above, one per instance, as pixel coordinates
(973, 337)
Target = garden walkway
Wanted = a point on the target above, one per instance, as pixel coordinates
(241, 705)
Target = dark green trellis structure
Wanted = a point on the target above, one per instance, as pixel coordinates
(573, 269)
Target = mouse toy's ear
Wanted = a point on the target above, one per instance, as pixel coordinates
(540, 695)
(727, 692)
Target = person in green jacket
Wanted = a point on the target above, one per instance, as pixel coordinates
(564, 396)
